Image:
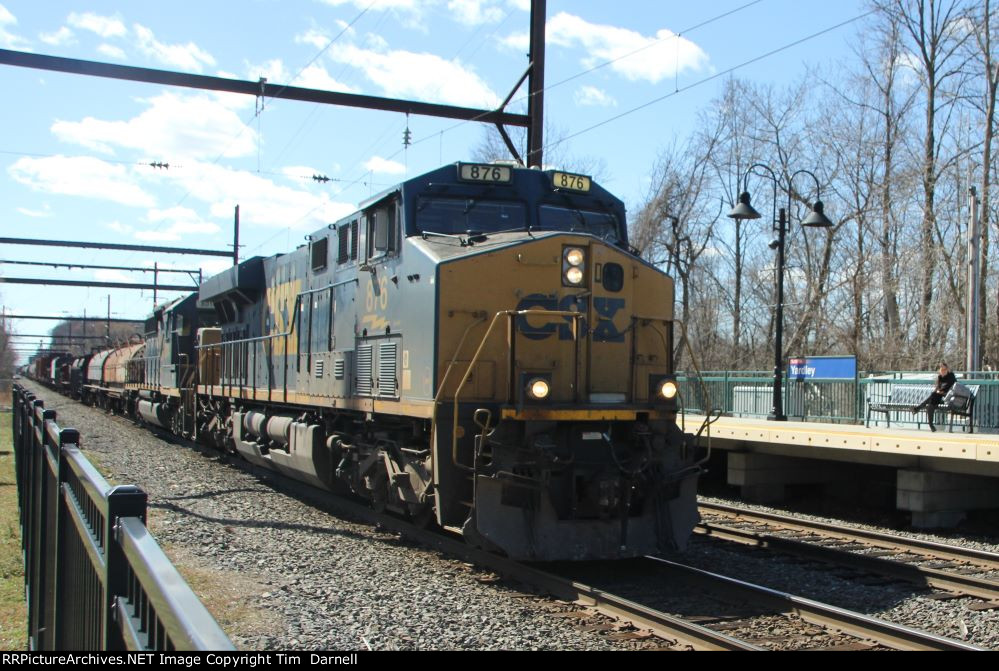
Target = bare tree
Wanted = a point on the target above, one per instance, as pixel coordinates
(985, 24)
(935, 35)
(558, 151)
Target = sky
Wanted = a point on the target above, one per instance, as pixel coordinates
(623, 80)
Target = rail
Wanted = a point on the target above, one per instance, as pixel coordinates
(94, 577)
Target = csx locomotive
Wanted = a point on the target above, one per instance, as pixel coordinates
(477, 347)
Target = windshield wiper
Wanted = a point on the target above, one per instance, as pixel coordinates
(469, 239)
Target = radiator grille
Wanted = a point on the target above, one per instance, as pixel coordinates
(363, 370)
(386, 369)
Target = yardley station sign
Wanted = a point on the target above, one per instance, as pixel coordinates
(822, 367)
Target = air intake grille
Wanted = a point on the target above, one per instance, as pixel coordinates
(363, 370)
(339, 369)
(318, 367)
(386, 369)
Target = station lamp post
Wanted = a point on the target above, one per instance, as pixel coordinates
(815, 219)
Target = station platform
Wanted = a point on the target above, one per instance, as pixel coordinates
(939, 476)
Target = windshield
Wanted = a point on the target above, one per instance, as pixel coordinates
(456, 216)
(600, 224)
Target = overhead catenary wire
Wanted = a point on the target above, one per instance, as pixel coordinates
(674, 93)
(602, 64)
(258, 109)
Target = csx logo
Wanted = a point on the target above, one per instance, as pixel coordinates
(605, 308)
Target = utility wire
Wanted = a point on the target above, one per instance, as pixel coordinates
(711, 78)
(603, 64)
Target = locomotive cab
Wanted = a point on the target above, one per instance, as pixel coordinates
(558, 400)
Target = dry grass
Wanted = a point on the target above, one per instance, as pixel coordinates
(13, 612)
(228, 595)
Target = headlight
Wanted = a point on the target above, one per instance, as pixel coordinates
(573, 263)
(574, 256)
(668, 390)
(538, 389)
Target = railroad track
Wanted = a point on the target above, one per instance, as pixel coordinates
(656, 624)
(782, 621)
(815, 626)
(954, 570)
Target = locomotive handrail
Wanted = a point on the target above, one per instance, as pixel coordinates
(220, 346)
(291, 329)
(479, 317)
(576, 316)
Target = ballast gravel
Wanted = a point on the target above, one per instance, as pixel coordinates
(281, 574)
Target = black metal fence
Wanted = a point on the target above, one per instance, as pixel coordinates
(95, 579)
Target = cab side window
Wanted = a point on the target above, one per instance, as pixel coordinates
(382, 229)
(347, 242)
(320, 250)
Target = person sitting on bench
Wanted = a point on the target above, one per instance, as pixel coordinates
(945, 380)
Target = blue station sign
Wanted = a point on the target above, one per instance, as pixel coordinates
(824, 367)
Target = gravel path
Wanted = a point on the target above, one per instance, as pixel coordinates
(280, 574)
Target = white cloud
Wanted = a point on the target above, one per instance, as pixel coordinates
(518, 41)
(383, 166)
(118, 227)
(522, 5)
(313, 38)
(62, 36)
(591, 96)
(313, 76)
(420, 76)
(305, 172)
(182, 222)
(43, 213)
(410, 12)
(381, 5)
(173, 127)
(475, 12)
(659, 56)
(183, 56)
(81, 176)
(112, 51)
(105, 26)
(9, 40)
(376, 42)
(261, 201)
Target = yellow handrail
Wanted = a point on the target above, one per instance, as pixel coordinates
(576, 316)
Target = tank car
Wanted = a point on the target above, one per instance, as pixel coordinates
(478, 347)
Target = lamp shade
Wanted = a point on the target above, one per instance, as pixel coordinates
(743, 210)
(816, 218)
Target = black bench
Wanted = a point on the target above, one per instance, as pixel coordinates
(904, 397)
